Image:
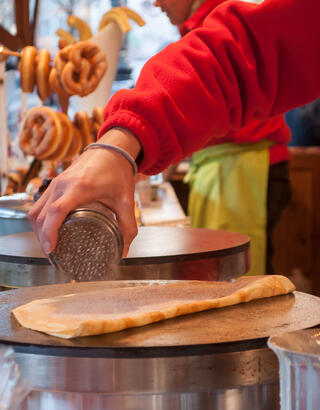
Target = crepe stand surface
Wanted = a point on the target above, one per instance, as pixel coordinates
(156, 253)
(195, 359)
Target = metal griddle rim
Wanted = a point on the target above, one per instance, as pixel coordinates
(138, 352)
(147, 260)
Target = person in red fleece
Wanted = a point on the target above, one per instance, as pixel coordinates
(245, 62)
(254, 206)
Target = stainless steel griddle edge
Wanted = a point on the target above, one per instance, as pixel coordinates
(135, 352)
(156, 253)
(136, 257)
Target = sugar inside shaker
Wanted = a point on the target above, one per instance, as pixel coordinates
(89, 245)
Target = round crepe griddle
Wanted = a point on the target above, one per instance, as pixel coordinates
(251, 322)
(152, 245)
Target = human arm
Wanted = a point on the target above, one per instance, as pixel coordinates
(246, 62)
(97, 175)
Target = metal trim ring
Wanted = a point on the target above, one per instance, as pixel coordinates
(16, 275)
(264, 397)
(199, 373)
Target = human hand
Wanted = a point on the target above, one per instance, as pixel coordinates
(96, 176)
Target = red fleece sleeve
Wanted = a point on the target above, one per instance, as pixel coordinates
(245, 62)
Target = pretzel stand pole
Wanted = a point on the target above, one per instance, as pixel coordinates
(3, 130)
(24, 104)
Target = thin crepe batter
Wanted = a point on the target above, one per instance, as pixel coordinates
(113, 309)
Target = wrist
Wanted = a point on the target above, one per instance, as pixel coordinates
(121, 151)
(124, 139)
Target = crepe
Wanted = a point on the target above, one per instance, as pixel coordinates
(113, 309)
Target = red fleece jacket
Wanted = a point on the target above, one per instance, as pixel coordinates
(245, 62)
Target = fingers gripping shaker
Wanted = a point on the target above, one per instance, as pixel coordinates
(90, 244)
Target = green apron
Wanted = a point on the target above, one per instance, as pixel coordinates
(228, 185)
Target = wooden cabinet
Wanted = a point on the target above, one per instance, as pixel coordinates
(297, 234)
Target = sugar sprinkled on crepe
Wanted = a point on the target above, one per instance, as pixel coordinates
(114, 309)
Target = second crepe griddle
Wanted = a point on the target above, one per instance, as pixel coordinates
(156, 253)
(152, 245)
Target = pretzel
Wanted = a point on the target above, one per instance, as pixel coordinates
(66, 140)
(87, 65)
(121, 15)
(59, 63)
(65, 36)
(82, 123)
(41, 132)
(83, 28)
(62, 43)
(75, 146)
(75, 80)
(118, 16)
(131, 14)
(43, 68)
(55, 84)
(27, 68)
(97, 121)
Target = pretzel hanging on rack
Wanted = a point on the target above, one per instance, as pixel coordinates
(65, 38)
(41, 133)
(35, 67)
(97, 121)
(43, 68)
(27, 68)
(86, 66)
(82, 123)
(59, 63)
(77, 69)
(65, 142)
(51, 136)
(75, 147)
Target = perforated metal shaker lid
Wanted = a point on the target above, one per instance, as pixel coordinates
(89, 244)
